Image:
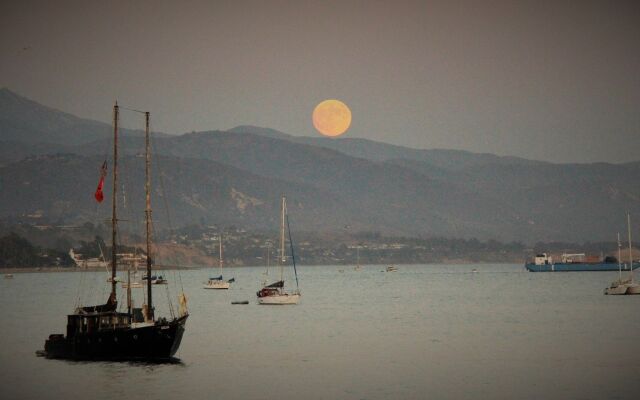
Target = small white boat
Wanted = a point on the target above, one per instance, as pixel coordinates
(391, 268)
(215, 283)
(624, 286)
(357, 267)
(218, 282)
(280, 299)
(156, 279)
(8, 276)
(618, 287)
(132, 285)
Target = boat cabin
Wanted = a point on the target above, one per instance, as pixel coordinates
(543, 259)
(88, 323)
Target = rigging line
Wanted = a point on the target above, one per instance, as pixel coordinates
(171, 311)
(165, 203)
(131, 216)
(102, 295)
(127, 181)
(96, 290)
(156, 252)
(153, 226)
(293, 256)
(176, 276)
(166, 273)
(90, 283)
(120, 299)
(80, 292)
(81, 284)
(95, 296)
(97, 209)
(131, 109)
(105, 157)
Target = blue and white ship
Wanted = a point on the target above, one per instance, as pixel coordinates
(574, 263)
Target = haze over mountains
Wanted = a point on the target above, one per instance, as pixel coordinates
(50, 161)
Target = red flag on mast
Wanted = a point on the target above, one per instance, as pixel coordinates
(103, 173)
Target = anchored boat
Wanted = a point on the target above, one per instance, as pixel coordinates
(102, 332)
(217, 282)
(544, 262)
(629, 285)
(275, 294)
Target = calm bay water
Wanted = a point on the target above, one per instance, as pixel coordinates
(426, 331)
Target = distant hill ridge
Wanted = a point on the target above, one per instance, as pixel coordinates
(24, 120)
(49, 163)
(377, 151)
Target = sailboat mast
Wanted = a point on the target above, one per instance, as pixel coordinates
(282, 259)
(630, 257)
(220, 253)
(148, 212)
(114, 219)
(619, 260)
(129, 291)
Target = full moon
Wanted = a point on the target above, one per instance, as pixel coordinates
(331, 117)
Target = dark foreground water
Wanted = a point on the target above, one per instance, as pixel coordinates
(432, 331)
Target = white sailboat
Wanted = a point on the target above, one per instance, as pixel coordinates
(618, 286)
(275, 294)
(624, 286)
(633, 286)
(217, 282)
(131, 260)
(357, 267)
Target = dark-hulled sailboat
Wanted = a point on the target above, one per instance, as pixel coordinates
(102, 332)
(274, 294)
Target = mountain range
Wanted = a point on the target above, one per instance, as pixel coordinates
(50, 162)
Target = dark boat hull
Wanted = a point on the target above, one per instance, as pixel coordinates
(577, 267)
(145, 343)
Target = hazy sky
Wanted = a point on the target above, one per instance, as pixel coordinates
(549, 80)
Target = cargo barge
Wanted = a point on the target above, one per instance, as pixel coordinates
(575, 263)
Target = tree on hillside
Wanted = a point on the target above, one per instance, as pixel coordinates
(16, 251)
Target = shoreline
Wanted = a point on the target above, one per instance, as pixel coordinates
(6, 270)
